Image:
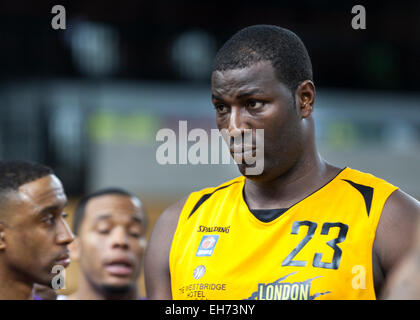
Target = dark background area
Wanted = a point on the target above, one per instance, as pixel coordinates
(384, 56)
(130, 41)
(88, 100)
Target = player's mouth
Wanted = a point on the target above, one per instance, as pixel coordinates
(243, 151)
(63, 260)
(120, 267)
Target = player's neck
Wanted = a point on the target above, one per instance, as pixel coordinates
(288, 189)
(12, 288)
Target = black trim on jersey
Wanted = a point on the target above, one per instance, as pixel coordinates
(264, 215)
(267, 215)
(366, 191)
(205, 197)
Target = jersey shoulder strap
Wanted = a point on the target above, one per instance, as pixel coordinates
(197, 198)
(374, 191)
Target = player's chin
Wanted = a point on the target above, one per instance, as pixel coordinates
(44, 275)
(118, 286)
(251, 171)
(118, 281)
(250, 167)
(43, 278)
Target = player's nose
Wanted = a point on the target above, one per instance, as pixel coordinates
(119, 238)
(237, 122)
(64, 233)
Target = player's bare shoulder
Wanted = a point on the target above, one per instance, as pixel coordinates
(168, 220)
(157, 275)
(396, 229)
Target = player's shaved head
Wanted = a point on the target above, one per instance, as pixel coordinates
(283, 48)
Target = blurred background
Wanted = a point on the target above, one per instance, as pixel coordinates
(89, 100)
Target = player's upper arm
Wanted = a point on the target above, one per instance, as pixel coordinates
(396, 229)
(157, 276)
(404, 281)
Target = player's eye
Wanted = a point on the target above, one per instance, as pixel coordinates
(49, 219)
(254, 104)
(103, 228)
(221, 108)
(135, 234)
(135, 231)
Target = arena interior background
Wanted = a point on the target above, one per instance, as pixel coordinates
(89, 100)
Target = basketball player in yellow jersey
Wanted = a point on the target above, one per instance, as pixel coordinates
(303, 228)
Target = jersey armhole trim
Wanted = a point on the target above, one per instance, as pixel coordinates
(206, 196)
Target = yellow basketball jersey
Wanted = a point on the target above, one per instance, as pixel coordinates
(320, 248)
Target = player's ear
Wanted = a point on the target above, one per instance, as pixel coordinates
(74, 248)
(2, 236)
(305, 98)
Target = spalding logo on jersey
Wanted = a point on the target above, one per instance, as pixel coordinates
(207, 245)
